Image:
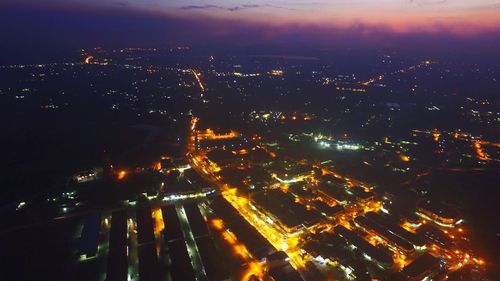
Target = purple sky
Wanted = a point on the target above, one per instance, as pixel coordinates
(51, 24)
(459, 16)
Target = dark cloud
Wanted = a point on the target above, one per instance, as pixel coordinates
(231, 9)
(242, 7)
(200, 7)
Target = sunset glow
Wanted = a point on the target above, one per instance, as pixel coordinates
(460, 16)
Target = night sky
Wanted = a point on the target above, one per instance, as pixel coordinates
(72, 24)
(461, 16)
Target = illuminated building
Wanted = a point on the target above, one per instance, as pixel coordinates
(391, 224)
(392, 239)
(361, 195)
(330, 249)
(282, 209)
(371, 253)
(421, 267)
(277, 72)
(327, 210)
(277, 259)
(335, 193)
(285, 273)
(257, 245)
(88, 176)
(441, 215)
(434, 236)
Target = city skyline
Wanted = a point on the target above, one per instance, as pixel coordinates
(249, 140)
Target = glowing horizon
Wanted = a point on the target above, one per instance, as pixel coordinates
(458, 16)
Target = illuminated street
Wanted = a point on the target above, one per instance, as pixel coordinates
(250, 140)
